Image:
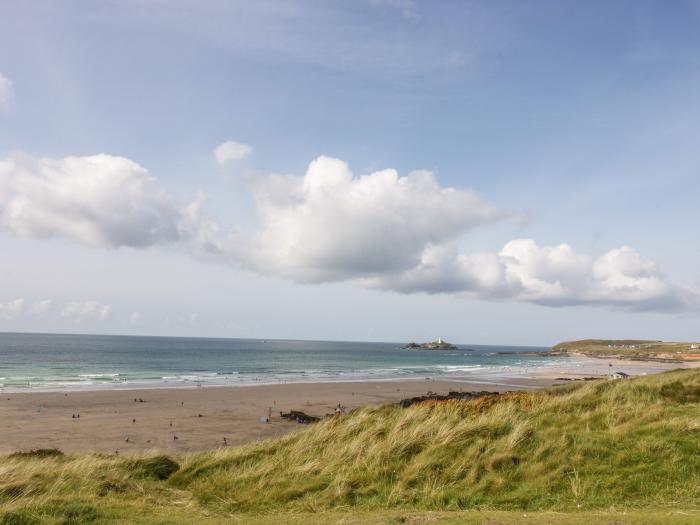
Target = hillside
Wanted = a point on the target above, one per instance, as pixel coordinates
(630, 348)
(568, 454)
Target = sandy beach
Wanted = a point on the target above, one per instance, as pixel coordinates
(200, 418)
(193, 419)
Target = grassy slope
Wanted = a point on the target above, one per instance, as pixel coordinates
(580, 449)
(643, 348)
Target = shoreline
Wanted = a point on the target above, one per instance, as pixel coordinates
(573, 364)
(143, 387)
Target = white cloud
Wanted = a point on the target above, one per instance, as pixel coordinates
(80, 311)
(232, 150)
(20, 307)
(553, 276)
(135, 318)
(11, 309)
(100, 200)
(330, 225)
(401, 234)
(6, 92)
(382, 230)
(76, 311)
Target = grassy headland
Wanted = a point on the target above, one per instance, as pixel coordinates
(630, 348)
(568, 454)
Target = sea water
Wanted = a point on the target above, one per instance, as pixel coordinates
(58, 362)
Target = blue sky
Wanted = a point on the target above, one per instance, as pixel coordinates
(577, 121)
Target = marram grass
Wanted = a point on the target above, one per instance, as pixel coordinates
(585, 448)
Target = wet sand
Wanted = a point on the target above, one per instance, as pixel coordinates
(192, 419)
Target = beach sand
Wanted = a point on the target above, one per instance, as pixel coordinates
(192, 419)
(200, 418)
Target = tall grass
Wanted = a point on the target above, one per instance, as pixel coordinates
(596, 445)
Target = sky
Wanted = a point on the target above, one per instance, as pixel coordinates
(504, 172)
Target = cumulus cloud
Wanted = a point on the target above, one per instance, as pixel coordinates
(232, 150)
(80, 311)
(6, 92)
(547, 275)
(331, 225)
(401, 234)
(386, 231)
(100, 200)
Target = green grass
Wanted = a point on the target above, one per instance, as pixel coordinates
(605, 450)
(639, 348)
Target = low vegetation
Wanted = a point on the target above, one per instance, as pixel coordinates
(635, 348)
(625, 451)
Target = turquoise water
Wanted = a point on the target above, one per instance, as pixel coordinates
(55, 362)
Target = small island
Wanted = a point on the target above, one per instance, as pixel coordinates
(432, 345)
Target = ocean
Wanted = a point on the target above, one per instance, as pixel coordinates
(70, 362)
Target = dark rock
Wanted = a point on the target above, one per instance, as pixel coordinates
(432, 396)
(299, 417)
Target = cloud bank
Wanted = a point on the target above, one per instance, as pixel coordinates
(546, 275)
(5, 92)
(11, 309)
(382, 230)
(81, 311)
(75, 311)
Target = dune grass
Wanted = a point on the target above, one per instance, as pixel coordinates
(624, 449)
